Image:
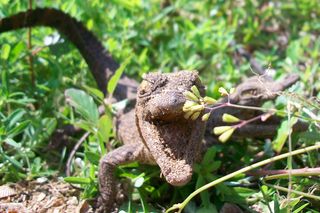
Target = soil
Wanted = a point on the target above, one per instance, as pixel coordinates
(41, 195)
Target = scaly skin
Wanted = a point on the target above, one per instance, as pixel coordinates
(253, 91)
(173, 141)
(165, 137)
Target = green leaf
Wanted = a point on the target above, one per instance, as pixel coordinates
(116, 76)
(94, 92)
(209, 156)
(200, 181)
(213, 166)
(17, 51)
(12, 143)
(18, 129)
(244, 192)
(92, 172)
(283, 133)
(87, 126)
(105, 127)
(138, 182)
(13, 161)
(264, 189)
(90, 23)
(50, 125)
(15, 117)
(120, 105)
(293, 202)
(4, 83)
(298, 210)
(104, 131)
(129, 5)
(143, 202)
(294, 51)
(83, 104)
(210, 208)
(5, 51)
(92, 157)
(276, 205)
(4, 2)
(205, 198)
(78, 180)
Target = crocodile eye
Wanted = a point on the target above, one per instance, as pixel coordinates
(249, 92)
(142, 92)
(253, 92)
(144, 88)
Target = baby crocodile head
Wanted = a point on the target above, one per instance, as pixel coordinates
(173, 141)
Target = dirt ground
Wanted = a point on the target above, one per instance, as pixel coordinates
(41, 195)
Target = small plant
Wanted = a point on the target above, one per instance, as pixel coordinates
(195, 105)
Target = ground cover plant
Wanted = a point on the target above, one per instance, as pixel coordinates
(165, 36)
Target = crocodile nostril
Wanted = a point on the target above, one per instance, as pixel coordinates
(173, 100)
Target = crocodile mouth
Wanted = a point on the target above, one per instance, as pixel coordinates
(165, 107)
(175, 147)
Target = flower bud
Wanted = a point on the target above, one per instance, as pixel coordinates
(197, 108)
(223, 91)
(209, 100)
(229, 118)
(195, 91)
(206, 116)
(226, 135)
(188, 114)
(195, 116)
(189, 95)
(187, 105)
(221, 129)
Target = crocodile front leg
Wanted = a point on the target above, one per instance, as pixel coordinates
(108, 163)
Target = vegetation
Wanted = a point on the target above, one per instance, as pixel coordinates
(164, 36)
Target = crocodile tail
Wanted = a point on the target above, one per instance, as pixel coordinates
(97, 57)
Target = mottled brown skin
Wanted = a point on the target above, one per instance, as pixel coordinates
(155, 132)
(164, 136)
(172, 140)
(253, 91)
(258, 89)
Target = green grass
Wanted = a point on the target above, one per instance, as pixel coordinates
(163, 36)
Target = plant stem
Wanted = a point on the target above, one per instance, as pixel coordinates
(180, 206)
(293, 191)
(289, 160)
(283, 173)
(245, 122)
(279, 112)
(30, 57)
(216, 107)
